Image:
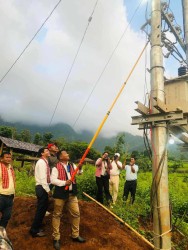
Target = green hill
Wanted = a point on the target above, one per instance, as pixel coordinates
(67, 132)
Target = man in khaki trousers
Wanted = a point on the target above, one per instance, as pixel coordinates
(114, 176)
(60, 178)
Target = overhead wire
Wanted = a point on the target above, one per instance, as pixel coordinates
(26, 47)
(72, 65)
(109, 59)
(106, 116)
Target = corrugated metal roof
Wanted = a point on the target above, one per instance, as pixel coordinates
(15, 144)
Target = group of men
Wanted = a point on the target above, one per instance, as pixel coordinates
(54, 171)
(107, 178)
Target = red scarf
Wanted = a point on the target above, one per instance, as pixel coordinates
(48, 169)
(62, 175)
(5, 177)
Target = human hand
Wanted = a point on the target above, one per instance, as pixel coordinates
(68, 183)
(49, 194)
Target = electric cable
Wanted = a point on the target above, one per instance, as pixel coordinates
(109, 59)
(106, 116)
(1, 80)
(72, 65)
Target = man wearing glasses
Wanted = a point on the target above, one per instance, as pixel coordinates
(60, 178)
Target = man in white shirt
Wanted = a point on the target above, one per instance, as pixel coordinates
(114, 176)
(131, 180)
(42, 178)
(60, 178)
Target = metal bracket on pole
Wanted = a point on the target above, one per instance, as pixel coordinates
(142, 109)
(154, 118)
(159, 105)
(174, 118)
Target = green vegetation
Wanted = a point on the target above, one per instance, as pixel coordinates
(141, 210)
(138, 215)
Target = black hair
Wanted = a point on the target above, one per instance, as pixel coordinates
(105, 152)
(133, 156)
(41, 150)
(5, 153)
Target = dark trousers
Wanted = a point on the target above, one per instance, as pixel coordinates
(130, 186)
(6, 204)
(103, 183)
(42, 205)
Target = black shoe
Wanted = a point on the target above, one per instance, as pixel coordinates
(79, 239)
(39, 234)
(56, 244)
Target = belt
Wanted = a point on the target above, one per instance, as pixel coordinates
(132, 180)
(8, 196)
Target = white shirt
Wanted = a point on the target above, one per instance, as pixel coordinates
(54, 176)
(130, 176)
(115, 170)
(41, 174)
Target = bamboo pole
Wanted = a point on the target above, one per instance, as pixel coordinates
(122, 221)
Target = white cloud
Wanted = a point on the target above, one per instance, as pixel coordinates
(32, 88)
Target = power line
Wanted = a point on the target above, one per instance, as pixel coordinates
(29, 43)
(107, 64)
(89, 20)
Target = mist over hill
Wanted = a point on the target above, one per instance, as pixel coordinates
(66, 131)
(132, 142)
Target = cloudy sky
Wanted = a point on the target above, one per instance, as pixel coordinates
(69, 57)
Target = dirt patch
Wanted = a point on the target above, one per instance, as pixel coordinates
(98, 227)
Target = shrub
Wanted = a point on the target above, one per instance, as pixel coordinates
(86, 182)
(25, 185)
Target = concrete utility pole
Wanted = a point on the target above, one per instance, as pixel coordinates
(160, 195)
(185, 18)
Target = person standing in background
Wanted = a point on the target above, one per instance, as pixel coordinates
(102, 173)
(114, 176)
(42, 178)
(7, 188)
(52, 160)
(131, 180)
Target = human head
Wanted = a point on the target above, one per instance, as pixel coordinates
(43, 152)
(53, 148)
(132, 160)
(6, 158)
(63, 156)
(116, 156)
(105, 155)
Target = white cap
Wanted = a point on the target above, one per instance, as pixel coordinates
(117, 154)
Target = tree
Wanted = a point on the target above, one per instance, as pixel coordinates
(6, 131)
(120, 142)
(47, 137)
(77, 149)
(135, 153)
(25, 135)
(110, 151)
(38, 139)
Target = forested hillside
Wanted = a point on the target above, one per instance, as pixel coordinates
(34, 133)
(64, 130)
